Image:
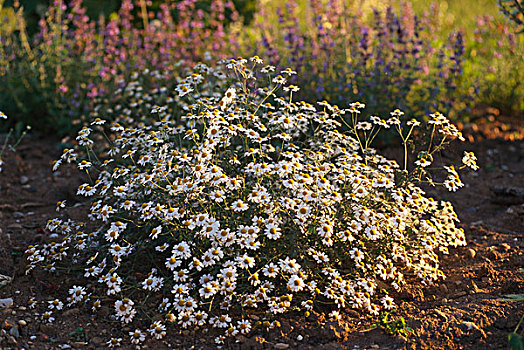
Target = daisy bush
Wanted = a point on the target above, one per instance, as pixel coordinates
(146, 93)
(248, 202)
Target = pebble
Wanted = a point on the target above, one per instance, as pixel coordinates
(241, 339)
(470, 253)
(441, 314)
(22, 308)
(11, 340)
(79, 343)
(47, 328)
(493, 254)
(352, 313)
(14, 332)
(18, 214)
(474, 287)
(505, 246)
(443, 288)
(98, 341)
(24, 180)
(4, 280)
(29, 188)
(281, 346)
(6, 303)
(22, 323)
(469, 325)
(300, 337)
(71, 312)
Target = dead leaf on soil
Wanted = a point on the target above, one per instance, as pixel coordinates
(31, 205)
(7, 207)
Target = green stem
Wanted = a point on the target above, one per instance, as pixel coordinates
(405, 154)
(5, 142)
(518, 325)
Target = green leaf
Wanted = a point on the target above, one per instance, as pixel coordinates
(513, 297)
(516, 342)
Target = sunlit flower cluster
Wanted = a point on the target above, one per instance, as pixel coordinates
(247, 201)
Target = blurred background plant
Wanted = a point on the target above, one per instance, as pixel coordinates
(34, 10)
(494, 52)
(51, 80)
(59, 59)
(496, 57)
(514, 11)
(388, 59)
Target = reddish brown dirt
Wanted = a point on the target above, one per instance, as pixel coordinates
(462, 312)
